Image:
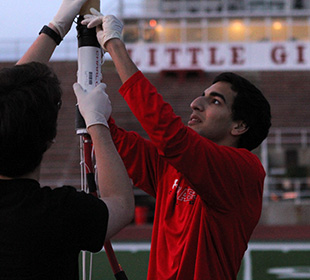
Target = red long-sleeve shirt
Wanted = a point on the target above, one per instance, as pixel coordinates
(208, 197)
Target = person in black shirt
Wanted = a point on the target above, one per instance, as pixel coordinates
(43, 229)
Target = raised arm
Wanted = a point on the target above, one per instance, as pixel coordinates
(109, 30)
(122, 61)
(114, 184)
(50, 36)
(41, 49)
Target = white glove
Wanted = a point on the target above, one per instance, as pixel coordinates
(68, 10)
(95, 106)
(109, 27)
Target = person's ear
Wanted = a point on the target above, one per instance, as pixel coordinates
(239, 128)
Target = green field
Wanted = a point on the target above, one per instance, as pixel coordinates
(262, 261)
(133, 258)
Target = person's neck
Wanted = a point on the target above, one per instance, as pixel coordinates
(35, 175)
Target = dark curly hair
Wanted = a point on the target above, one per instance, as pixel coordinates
(250, 106)
(30, 98)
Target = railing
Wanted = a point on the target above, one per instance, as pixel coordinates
(278, 185)
(158, 8)
(13, 49)
(289, 136)
(296, 190)
(233, 6)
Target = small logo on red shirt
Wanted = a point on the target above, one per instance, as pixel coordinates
(184, 194)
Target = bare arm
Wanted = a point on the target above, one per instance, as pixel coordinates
(113, 181)
(109, 30)
(43, 47)
(41, 50)
(122, 61)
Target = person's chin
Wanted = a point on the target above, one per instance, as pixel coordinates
(194, 127)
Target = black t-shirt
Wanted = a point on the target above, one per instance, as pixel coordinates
(42, 230)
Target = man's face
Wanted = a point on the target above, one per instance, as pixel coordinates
(212, 113)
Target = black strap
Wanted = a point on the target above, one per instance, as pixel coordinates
(51, 33)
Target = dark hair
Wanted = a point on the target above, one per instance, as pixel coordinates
(250, 106)
(30, 97)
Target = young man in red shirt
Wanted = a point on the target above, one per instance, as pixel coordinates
(207, 184)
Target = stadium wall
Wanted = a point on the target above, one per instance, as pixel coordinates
(287, 91)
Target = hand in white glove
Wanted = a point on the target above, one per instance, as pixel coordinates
(95, 106)
(108, 27)
(68, 10)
